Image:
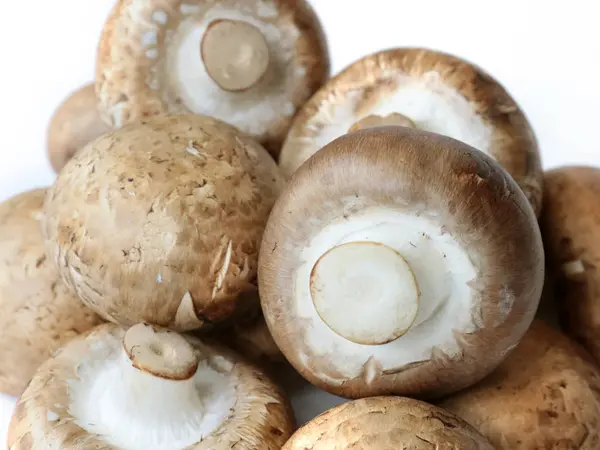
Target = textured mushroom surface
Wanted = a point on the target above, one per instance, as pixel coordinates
(161, 221)
(147, 388)
(38, 313)
(75, 123)
(249, 63)
(254, 340)
(387, 423)
(437, 92)
(546, 394)
(398, 261)
(571, 229)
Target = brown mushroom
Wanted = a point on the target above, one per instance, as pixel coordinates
(148, 388)
(570, 225)
(38, 314)
(546, 394)
(161, 221)
(427, 89)
(249, 63)
(75, 123)
(398, 261)
(386, 423)
(253, 340)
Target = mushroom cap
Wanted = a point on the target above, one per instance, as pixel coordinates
(546, 394)
(254, 340)
(386, 423)
(570, 224)
(161, 221)
(439, 92)
(150, 63)
(50, 414)
(74, 123)
(38, 313)
(458, 219)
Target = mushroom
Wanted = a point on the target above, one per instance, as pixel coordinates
(399, 261)
(546, 394)
(570, 225)
(253, 340)
(428, 90)
(75, 123)
(149, 388)
(379, 423)
(251, 64)
(160, 221)
(38, 314)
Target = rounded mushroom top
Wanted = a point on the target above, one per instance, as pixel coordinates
(249, 63)
(426, 89)
(37, 311)
(161, 221)
(74, 123)
(386, 423)
(399, 261)
(570, 224)
(546, 394)
(96, 390)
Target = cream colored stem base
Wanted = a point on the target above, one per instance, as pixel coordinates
(365, 292)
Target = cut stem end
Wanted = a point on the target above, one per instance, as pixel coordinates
(374, 120)
(160, 352)
(365, 292)
(235, 54)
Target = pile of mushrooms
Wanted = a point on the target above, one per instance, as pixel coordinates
(232, 232)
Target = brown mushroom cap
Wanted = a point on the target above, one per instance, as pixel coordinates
(386, 423)
(570, 225)
(161, 221)
(38, 314)
(546, 394)
(90, 392)
(75, 123)
(438, 93)
(457, 219)
(253, 340)
(249, 63)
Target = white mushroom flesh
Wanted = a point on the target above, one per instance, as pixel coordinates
(138, 409)
(427, 101)
(252, 110)
(440, 294)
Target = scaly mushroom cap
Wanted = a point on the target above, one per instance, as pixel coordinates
(38, 313)
(546, 394)
(161, 221)
(398, 261)
(75, 123)
(570, 225)
(249, 63)
(386, 423)
(148, 388)
(433, 91)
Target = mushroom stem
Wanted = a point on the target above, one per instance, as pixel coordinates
(365, 292)
(235, 54)
(375, 120)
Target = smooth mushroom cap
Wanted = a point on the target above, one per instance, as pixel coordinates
(433, 213)
(74, 123)
(251, 63)
(570, 225)
(546, 394)
(161, 221)
(92, 392)
(437, 92)
(38, 314)
(386, 423)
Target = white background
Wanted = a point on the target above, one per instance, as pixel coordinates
(547, 54)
